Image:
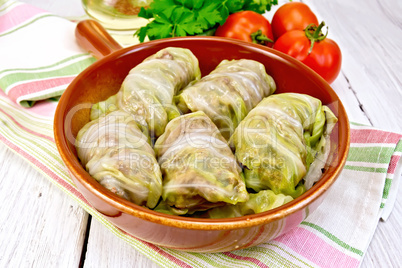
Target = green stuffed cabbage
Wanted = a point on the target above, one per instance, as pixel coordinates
(259, 202)
(115, 152)
(147, 91)
(279, 139)
(228, 93)
(199, 169)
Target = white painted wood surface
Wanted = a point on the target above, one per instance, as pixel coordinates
(39, 225)
(369, 33)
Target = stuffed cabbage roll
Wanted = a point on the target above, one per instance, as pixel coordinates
(199, 169)
(279, 139)
(259, 202)
(116, 153)
(147, 91)
(228, 93)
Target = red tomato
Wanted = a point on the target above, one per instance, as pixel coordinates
(247, 26)
(312, 48)
(292, 16)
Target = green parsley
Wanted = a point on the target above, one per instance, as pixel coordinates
(171, 18)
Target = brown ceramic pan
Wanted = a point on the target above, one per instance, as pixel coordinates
(103, 79)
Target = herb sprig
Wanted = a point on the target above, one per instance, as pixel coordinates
(173, 18)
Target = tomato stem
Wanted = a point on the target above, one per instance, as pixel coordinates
(259, 38)
(314, 34)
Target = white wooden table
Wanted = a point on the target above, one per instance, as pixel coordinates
(369, 33)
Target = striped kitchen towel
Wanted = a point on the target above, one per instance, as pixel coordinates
(39, 56)
(337, 234)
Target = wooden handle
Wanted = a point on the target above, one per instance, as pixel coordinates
(95, 39)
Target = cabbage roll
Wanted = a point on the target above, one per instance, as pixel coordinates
(199, 169)
(279, 139)
(259, 202)
(147, 91)
(115, 152)
(228, 93)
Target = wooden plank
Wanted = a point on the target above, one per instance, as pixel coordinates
(104, 249)
(40, 225)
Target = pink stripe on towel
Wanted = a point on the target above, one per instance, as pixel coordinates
(315, 249)
(18, 15)
(373, 136)
(37, 86)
